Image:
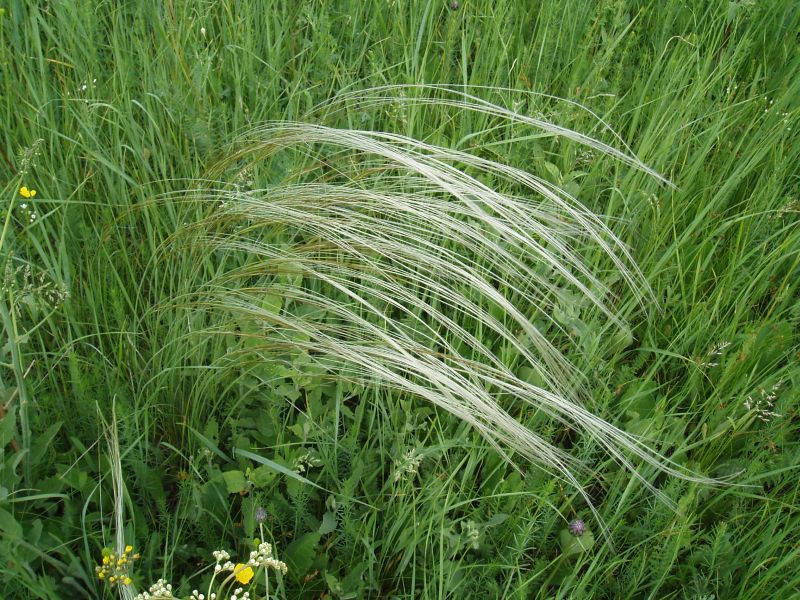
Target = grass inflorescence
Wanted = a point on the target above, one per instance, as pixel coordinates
(340, 280)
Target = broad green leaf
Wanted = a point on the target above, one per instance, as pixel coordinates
(235, 481)
(42, 442)
(272, 303)
(300, 553)
(328, 523)
(262, 476)
(572, 544)
(9, 525)
(498, 519)
(7, 427)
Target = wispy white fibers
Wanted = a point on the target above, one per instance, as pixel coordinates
(419, 272)
(457, 97)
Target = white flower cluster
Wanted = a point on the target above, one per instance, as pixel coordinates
(27, 213)
(86, 86)
(263, 558)
(198, 596)
(236, 596)
(160, 589)
(221, 556)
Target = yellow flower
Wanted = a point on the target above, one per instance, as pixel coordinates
(243, 573)
(105, 560)
(128, 549)
(127, 581)
(26, 193)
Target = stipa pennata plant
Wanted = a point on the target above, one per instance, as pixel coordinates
(394, 262)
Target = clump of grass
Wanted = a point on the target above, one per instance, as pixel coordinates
(121, 104)
(390, 261)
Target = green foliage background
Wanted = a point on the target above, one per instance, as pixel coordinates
(106, 106)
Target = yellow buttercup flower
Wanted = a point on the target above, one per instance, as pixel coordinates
(26, 193)
(243, 573)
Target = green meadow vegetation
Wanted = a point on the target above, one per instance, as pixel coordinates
(407, 298)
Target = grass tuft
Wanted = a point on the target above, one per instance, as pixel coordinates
(382, 254)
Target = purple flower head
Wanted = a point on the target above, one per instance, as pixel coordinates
(577, 527)
(260, 515)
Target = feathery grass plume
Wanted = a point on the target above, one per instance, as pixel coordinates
(456, 97)
(391, 261)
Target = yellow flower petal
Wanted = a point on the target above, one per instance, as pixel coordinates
(128, 549)
(243, 573)
(33, 193)
(23, 191)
